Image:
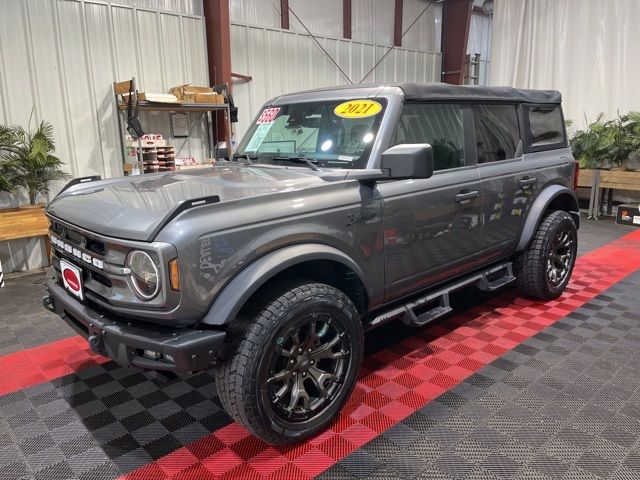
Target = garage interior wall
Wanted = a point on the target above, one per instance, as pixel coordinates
(281, 61)
(59, 59)
(587, 49)
(65, 55)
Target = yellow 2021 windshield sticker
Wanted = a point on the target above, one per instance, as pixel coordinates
(357, 109)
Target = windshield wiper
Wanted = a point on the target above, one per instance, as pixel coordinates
(298, 159)
(249, 158)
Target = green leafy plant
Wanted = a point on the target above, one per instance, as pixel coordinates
(27, 160)
(607, 144)
(6, 141)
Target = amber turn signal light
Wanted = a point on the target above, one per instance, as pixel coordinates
(174, 275)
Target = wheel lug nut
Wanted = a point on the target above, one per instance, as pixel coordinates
(291, 361)
(294, 374)
(309, 350)
(304, 374)
(312, 362)
(299, 350)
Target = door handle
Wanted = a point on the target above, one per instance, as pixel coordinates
(466, 196)
(527, 181)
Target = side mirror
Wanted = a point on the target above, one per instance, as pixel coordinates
(411, 160)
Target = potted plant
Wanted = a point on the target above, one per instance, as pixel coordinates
(27, 160)
(607, 145)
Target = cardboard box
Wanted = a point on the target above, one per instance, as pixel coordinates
(186, 93)
(628, 215)
(209, 97)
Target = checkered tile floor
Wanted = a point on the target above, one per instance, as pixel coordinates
(564, 404)
(507, 388)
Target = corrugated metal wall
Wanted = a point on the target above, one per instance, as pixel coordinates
(371, 20)
(60, 58)
(283, 61)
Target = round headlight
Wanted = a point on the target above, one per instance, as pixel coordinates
(144, 274)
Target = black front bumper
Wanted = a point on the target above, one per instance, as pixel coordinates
(125, 341)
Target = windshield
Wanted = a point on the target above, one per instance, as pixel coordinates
(334, 134)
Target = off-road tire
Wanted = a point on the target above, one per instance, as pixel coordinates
(531, 264)
(253, 336)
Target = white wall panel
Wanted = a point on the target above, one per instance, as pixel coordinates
(188, 7)
(282, 61)
(264, 13)
(59, 59)
(322, 18)
(372, 21)
(425, 33)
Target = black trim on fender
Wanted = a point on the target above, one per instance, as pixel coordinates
(546, 196)
(229, 302)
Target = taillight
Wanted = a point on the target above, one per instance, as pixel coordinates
(576, 174)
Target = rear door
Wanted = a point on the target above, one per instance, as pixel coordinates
(508, 184)
(432, 228)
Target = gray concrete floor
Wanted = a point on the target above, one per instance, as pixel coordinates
(596, 233)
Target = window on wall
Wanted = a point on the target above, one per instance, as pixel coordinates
(497, 132)
(439, 125)
(547, 128)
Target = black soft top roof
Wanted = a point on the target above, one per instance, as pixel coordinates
(440, 92)
(444, 91)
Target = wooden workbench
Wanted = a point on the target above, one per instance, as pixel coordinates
(607, 179)
(16, 223)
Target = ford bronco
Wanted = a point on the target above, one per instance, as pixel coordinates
(342, 209)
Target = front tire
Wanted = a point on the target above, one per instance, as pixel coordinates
(294, 362)
(543, 270)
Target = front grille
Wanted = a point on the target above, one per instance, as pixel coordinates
(98, 277)
(78, 239)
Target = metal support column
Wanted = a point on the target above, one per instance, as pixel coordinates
(218, 28)
(456, 19)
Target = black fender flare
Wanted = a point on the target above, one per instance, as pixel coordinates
(234, 295)
(539, 207)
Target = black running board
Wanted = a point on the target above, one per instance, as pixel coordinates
(436, 304)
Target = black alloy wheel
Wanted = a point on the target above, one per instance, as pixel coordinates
(560, 258)
(293, 361)
(308, 366)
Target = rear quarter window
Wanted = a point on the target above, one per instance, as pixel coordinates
(546, 127)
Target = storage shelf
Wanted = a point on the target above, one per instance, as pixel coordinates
(177, 107)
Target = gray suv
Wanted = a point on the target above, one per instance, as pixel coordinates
(343, 209)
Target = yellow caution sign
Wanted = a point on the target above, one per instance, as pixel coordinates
(357, 109)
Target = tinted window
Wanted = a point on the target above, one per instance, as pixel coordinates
(497, 133)
(547, 129)
(437, 124)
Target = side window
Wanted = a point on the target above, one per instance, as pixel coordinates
(439, 125)
(547, 129)
(497, 132)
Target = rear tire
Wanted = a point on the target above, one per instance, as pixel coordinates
(293, 363)
(544, 268)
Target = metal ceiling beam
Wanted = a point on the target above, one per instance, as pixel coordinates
(284, 14)
(346, 18)
(397, 24)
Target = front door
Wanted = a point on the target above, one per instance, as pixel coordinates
(432, 228)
